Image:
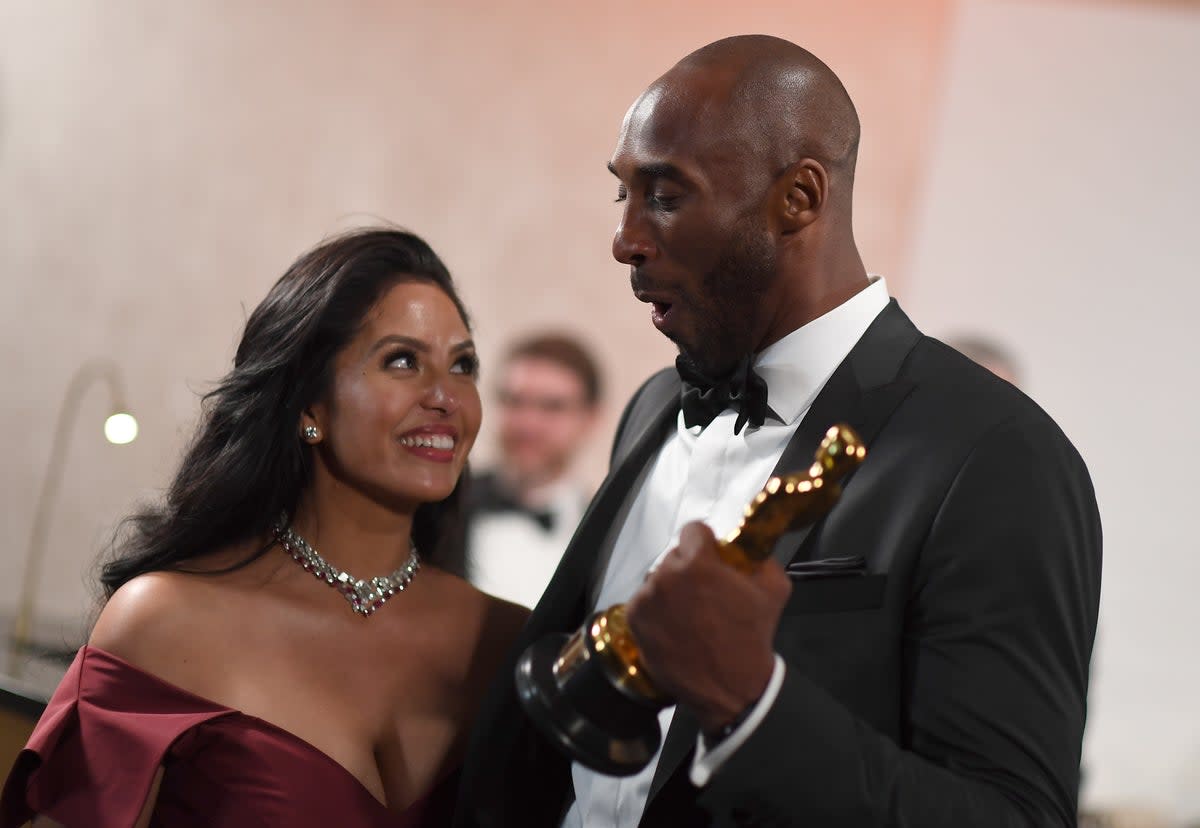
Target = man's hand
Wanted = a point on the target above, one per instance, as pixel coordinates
(706, 631)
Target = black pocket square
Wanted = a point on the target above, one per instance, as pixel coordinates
(828, 567)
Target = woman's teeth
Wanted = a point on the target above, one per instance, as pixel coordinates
(437, 441)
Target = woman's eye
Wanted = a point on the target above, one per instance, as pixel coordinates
(405, 360)
(468, 365)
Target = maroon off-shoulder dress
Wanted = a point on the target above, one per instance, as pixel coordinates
(109, 726)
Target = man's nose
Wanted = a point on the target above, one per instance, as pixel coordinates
(632, 245)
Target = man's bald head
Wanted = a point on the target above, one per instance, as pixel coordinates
(777, 97)
(736, 172)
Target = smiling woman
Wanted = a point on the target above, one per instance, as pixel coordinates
(334, 446)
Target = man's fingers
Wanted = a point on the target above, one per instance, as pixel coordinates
(773, 578)
(696, 536)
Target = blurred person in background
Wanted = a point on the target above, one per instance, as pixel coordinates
(521, 513)
(988, 353)
(222, 684)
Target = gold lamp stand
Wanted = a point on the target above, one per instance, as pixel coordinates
(120, 427)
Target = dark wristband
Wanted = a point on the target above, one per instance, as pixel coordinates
(711, 740)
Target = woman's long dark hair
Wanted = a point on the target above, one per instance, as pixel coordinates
(247, 463)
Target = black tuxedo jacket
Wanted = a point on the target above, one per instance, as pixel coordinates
(944, 687)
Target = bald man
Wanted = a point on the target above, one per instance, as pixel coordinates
(917, 658)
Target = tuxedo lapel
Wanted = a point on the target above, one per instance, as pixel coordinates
(678, 744)
(561, 607)
(863, 391)
(489, 794)
(642, 448)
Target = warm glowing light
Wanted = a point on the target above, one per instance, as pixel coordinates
(121, 428)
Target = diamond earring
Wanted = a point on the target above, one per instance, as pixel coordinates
(311, 433)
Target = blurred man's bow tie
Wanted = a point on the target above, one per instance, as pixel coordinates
(741, 390)
(499, 502)
(542, 517)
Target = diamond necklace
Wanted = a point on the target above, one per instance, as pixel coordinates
(364, 596)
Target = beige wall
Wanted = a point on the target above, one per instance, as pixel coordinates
(160, 164)
(1058, 216)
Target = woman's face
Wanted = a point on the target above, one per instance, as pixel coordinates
(403, 409)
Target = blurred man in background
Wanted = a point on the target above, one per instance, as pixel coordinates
(991, 355)
(522, 513)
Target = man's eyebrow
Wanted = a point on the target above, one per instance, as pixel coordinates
(660, 169)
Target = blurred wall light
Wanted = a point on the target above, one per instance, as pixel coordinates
(120, 428)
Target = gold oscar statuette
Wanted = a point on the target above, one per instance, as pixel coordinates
(588, 692)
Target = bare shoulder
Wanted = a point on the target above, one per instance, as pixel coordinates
(138, 610)
(158, 621)
(504, 621)
(484, 627)
(487, 645)
(487, 611)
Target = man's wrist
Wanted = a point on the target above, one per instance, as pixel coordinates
(719, 721)
(710, 757)
(714, 737)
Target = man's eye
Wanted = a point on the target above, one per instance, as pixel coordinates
(667, 202)
(622, 194)
(468, 365)
(405, 360)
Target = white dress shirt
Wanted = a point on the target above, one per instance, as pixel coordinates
(711, 475)
(510, 556)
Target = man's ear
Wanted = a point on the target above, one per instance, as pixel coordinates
(804, 189)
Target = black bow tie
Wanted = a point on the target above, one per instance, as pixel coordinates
(494, 500)
(741, 390)
(542, 517)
